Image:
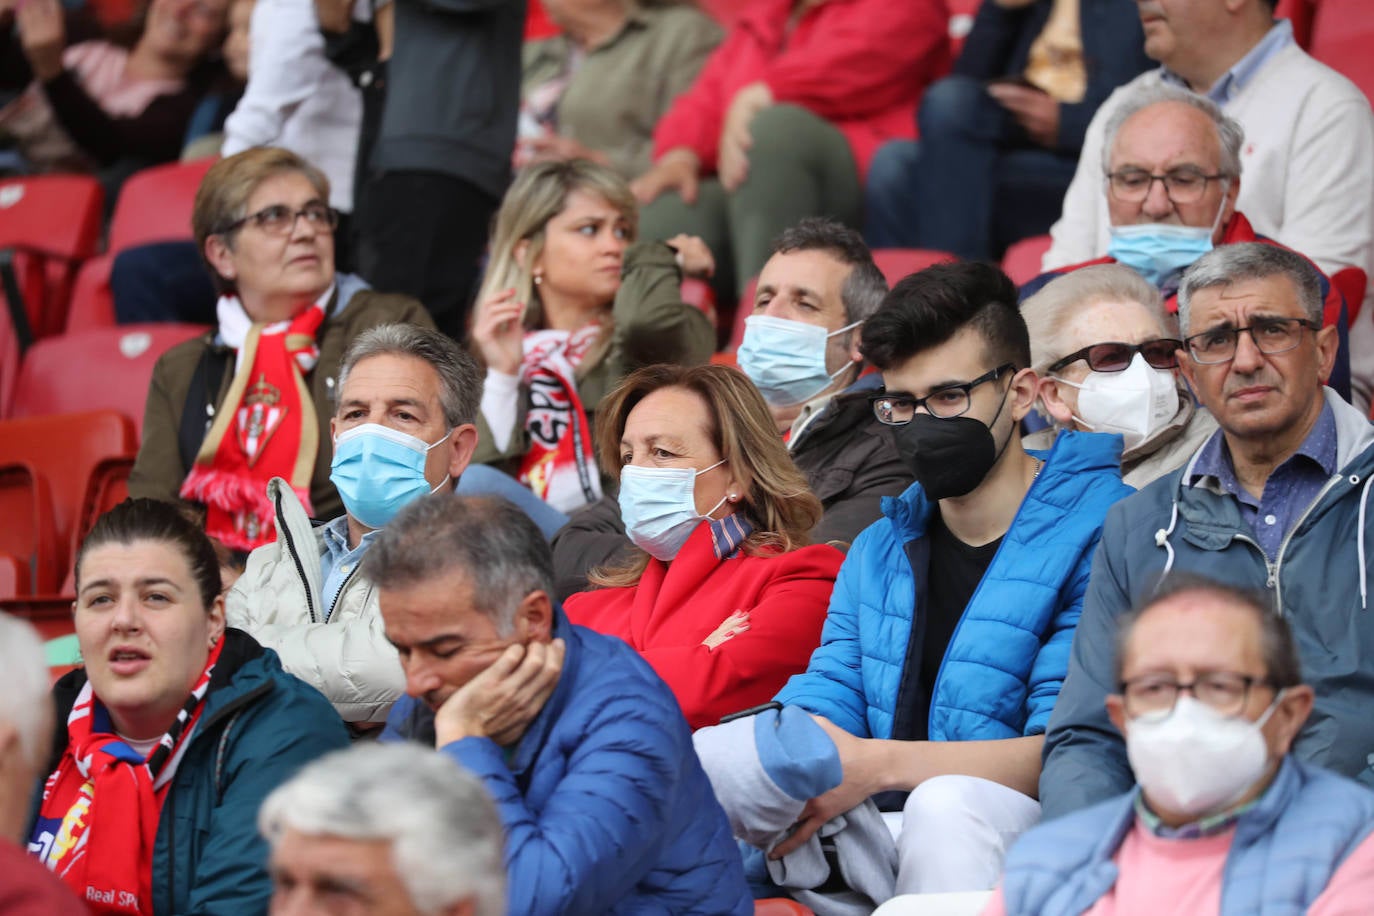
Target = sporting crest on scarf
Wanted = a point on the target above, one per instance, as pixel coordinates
(560, 465)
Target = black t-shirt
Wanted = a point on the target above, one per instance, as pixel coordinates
(955, 571)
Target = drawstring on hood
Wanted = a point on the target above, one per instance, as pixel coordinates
(1162, 540)
(1359, 542)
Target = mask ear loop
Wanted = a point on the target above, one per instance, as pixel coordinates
(436, 445)
(723, 499)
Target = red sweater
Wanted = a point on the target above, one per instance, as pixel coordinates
(676, 605)
(860, 64)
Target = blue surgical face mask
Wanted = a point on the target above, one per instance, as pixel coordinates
(786, 359)
(1161, 252)
(378, 471)
(659, 507)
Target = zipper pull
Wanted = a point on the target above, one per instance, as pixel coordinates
(1271, 581)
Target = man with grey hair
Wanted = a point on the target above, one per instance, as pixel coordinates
(403, 429)
(1106, 355)
(1208, 694)
(1172, 167)
(1309, 150)
(605, 805)
(801, 350)
(384, 830)
(26, 727)
(1277, 499)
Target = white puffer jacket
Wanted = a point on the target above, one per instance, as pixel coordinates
(342, 652)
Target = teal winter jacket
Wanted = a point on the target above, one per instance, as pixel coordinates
(259, 726)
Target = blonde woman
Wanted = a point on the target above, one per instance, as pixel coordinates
(724, 599)
(571, 304)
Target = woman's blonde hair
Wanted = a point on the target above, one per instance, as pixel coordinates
(779, 503)
(222, 198)
(540, 193)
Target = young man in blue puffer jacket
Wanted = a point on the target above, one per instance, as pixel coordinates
(949, 631)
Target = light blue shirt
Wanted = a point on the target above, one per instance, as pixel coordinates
(338, 563)
(1234, 80)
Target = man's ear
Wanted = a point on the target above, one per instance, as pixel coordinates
(1116, 711)
(1055, 405)
(1228, 210)
(1025, 388)
(1328, 342)
(462, 444)
(534, 618)
(221, 257)
(1186, 368)
(1290, 715)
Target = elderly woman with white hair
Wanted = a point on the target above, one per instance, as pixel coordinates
(385, 828)
(1107, 357)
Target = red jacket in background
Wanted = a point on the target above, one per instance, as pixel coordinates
(860, 64)
(677, 605)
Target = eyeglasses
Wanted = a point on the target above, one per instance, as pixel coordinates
(945, 403)
(1271, 336)
(279, 219)
(1184, 185)
(1152, 696)
(1116, 357)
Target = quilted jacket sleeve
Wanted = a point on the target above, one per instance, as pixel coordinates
(1084, 756)
(832, 685)
(600, 831)
(1052, 661)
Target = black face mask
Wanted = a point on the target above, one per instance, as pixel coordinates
(949, 457)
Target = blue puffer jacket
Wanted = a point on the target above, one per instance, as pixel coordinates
(259, 726)
(1286, 849)
(605, 805)
(1008, 655)
(1321, 580)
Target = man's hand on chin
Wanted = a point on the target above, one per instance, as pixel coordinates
(501, 702)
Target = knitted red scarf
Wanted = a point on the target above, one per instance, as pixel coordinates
(266, 428)
(99, 815)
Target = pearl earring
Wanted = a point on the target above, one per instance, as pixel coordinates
(538, 278)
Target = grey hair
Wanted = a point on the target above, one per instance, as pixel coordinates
(446, 838)
(1280, 650)
(865, 286)
(1230, 134)
(460, 378)
(24, 685)
(1050, 312)
(497, 548)
(1251, 261)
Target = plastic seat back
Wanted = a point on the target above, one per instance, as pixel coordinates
(28, 535)
(65, 450)
(96, 369)
(155, 205)
(780, 906)
(1022, 259)
(48, 225)
(898, 263)
(1351, 282)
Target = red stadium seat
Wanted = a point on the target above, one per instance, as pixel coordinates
(48, 225)
(96, 369)
(897, 263)
(1022, 260)
(14, 576)
(65, 453)
(28, 535)
(1351, 281)
(537, 22)
(1300, 13)
(780, 906)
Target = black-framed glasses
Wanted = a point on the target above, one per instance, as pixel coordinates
(1116, 357)
(1153, 696)
(1183, 185)
(1271, 336)
(279, 219)
(897, 409)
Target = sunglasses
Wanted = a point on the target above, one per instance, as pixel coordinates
(1115, 357)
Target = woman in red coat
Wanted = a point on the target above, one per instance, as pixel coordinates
(784, 119)
(724, 599)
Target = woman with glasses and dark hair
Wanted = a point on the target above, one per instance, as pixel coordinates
(1107, 357)
(251, 399)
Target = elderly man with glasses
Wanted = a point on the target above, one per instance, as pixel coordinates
(1107, 359)
(948, 632)
(1171, 176)
(1225, 818)
(1277, 499)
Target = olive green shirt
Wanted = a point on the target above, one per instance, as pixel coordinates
(622, 87)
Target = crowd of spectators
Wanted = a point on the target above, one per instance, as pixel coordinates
(461, 574)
